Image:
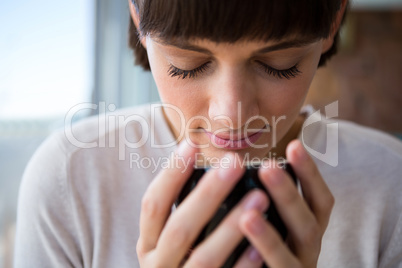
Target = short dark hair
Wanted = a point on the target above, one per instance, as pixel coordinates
(233, 20)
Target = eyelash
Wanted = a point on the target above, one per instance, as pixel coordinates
(174, 71)
(292, 72)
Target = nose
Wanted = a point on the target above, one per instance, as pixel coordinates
(233, 100)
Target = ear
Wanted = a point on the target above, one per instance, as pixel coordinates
(136, 19)
(329, 41)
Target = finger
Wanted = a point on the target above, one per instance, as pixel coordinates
(251, 258)
(160, 195)
(315, 190)
(294, 211)
(184, 225)
(267, 241)
(214, 251)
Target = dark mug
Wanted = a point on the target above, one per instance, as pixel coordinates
(248, 182)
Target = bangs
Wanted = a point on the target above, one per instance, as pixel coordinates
(233, 20)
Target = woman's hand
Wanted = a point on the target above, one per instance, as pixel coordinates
(306, 218)
(165, 238)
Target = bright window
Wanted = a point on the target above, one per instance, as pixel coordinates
(46, 51)
(46, 67)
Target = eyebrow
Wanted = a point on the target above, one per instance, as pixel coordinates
(279, 46)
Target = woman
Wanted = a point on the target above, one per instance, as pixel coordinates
(232, 78)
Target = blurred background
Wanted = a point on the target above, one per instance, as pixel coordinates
(366, 75)
(57, 54)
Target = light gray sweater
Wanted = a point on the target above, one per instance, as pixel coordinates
(79, 202)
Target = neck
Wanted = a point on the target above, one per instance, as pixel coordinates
(293, 133)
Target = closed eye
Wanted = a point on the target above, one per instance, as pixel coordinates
(174, 71)
(292, 72)
(289, 73)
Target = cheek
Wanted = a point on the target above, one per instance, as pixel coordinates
(175, 92)
(171, 90)
(182, 96)
(288, 97)
(167, 89)
(284, 102)
(284, 99)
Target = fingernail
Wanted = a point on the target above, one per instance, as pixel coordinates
(255, 201)
(276, 176)
(225, 170)
(272, 172)
(184, 149)
(301, 152)
(255, 224)
(254, 255)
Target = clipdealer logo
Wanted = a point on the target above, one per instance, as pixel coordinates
(108, 122)
(112, 128)
(330, 156)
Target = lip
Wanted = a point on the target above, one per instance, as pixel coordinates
(229, 141)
